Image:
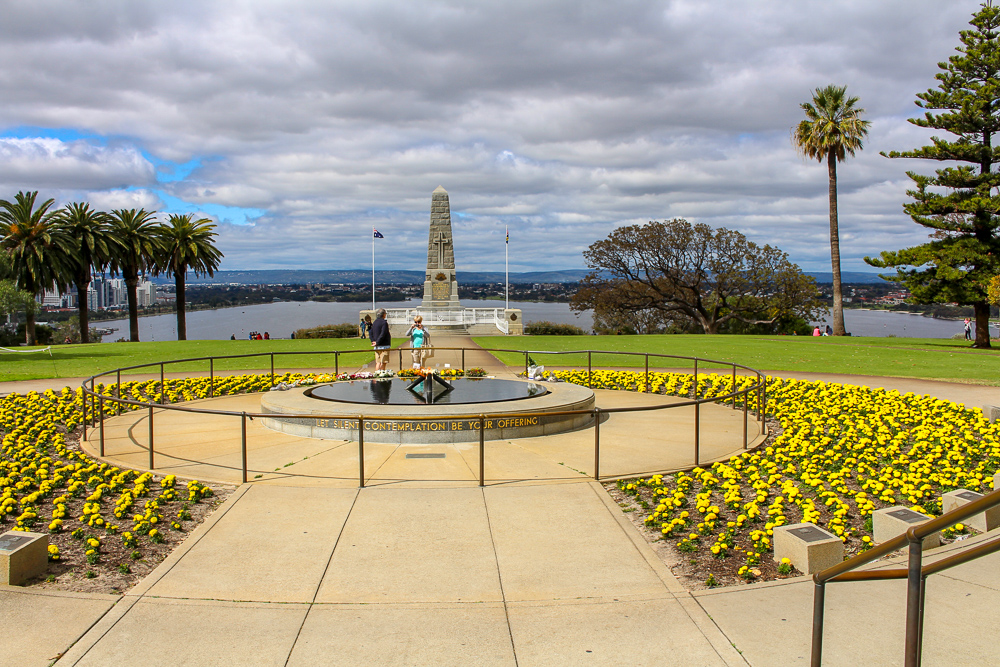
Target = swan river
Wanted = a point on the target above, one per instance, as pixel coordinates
(282, 318)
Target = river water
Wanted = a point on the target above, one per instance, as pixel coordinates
(280, 319)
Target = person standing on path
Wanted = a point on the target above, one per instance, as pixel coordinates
(420, 340)
(381, 339)
(968, 329)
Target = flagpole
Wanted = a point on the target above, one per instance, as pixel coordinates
(506, 268)
(373, 268)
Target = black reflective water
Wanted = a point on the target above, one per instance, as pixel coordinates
(393, 391)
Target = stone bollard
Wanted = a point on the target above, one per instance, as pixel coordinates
(991, 412)
(22, 556)
(996, 480)
(982, 522)
(810, 548)
(894, 521)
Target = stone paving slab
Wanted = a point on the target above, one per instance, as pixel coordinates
(611, 632)
(391, 634)
(197, 632)
(38, 625)
(414, 545)
(272, 546)
(577, 549)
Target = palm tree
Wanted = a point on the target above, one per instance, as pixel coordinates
(36, 247)
(93, 244)
(187, 244)
(138, 246)
(832, 130)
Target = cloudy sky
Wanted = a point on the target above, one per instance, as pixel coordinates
(300, 125)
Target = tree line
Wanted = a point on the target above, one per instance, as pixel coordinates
(44, 248)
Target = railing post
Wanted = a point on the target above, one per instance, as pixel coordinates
(482, 450)
(914, 597)
(101, 400)
(163, 389)
(589, 384)
(151, 437)
(694, 390)
(597, 444)
(463, 360)
(647, 374)
(746, 397)
(400, 358)
(211, 377)
(526, 363)
(336, 364)
(361, 450)
(86, 399)
(118, 394)
(819, 597)
(734, 386)
(697, 434)
(243, 419)
(272, 369)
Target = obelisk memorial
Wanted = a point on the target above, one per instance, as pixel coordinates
(440, 283)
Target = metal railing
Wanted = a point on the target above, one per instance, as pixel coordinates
(915, 574)
(756, 389)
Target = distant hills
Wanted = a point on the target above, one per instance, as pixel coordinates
(360, 276)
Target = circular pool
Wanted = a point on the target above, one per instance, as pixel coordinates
(407, 410)
(411, 391)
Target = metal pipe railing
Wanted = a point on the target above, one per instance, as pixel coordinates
(595, 413)
(915, 573)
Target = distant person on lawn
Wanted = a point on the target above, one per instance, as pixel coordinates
(381, 339)
(817, 332)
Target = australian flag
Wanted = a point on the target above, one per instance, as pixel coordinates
(378, 234)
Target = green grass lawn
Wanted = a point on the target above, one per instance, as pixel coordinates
(85, 360)
(940, 359)
(928, 358)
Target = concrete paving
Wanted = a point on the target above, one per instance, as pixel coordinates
(422, 566)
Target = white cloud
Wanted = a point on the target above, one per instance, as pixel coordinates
(562, 119)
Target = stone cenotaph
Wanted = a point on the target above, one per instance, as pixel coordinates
(440, 307)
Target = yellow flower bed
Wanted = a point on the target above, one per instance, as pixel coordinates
(844, 451)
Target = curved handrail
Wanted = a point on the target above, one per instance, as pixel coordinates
(759, 385)
(916, 574)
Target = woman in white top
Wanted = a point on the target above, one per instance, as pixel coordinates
(420, 340)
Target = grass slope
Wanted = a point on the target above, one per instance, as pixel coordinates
(928, 358)
(85, 360)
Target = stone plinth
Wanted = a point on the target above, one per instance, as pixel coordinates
(22, 556)
(894, 521)
(982, 522)
(810, 548)
(991, 412)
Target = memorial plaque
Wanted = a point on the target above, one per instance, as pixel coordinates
(809, 534)
(909, 516)
(12, 542)
(425, 456)
(440, 291)
(969, 495)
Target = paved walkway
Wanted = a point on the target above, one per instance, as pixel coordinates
(416, 569)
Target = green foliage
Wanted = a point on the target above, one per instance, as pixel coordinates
(186, 245)
(545, 328)
(832, 130)
(36, 245)
(674, 275)
(958, 203)
(345, 330)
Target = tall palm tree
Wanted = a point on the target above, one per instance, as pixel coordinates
(36, 246)
(187, 245)
(92, 243)
(832, 130)
(138, 247)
